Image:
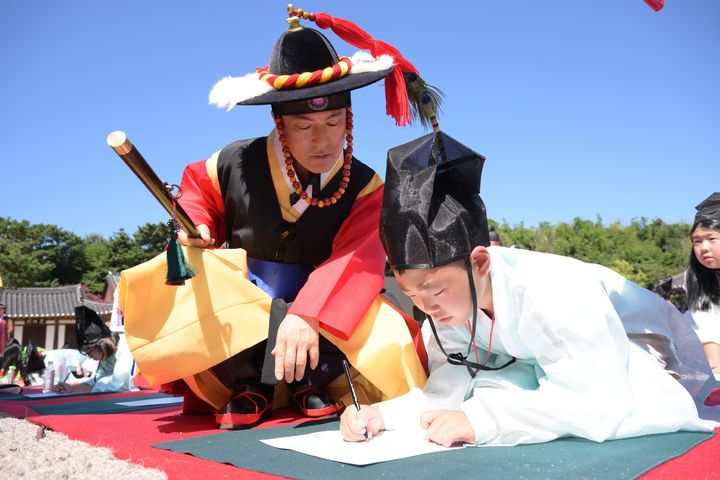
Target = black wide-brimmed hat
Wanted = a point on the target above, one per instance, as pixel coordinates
(298, 51)
(304, 66)
(432, 213)
(89, 328)
(708, 209)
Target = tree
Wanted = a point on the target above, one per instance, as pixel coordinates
(96, 251)
(39, 255)
(152, 238)
(123, 252)
(645, 251)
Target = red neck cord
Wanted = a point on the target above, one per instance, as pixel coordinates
(487, 356)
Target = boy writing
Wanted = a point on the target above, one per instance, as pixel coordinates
(527, 347)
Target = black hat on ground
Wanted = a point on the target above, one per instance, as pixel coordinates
(89, 328)
(432, 213)
(708, 209)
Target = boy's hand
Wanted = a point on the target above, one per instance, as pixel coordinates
(446, 427)
(63, 387)
(205, 239)
(354, 424)
(297, 341)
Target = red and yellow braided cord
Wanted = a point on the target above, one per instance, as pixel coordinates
(306, 79)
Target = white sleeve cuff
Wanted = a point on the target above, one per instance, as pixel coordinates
(483, 424)
(404, 411)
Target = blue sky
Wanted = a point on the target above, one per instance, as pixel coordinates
(583, 109)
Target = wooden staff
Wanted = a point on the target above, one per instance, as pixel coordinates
(119, 142)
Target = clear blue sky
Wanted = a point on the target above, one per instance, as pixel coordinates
(582, 108)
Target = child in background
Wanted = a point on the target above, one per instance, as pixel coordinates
(527, 347)
(110, 350)
(703, 278)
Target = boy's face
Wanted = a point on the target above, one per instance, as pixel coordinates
(442, 292)
(95, 354)
(316, 139)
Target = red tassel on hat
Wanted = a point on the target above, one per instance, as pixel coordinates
(656, 4)
(396, 97)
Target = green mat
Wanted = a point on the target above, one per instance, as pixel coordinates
(20, 396)
(102, 406)
(560, 459)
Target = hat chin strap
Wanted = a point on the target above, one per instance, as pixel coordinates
(458, 358)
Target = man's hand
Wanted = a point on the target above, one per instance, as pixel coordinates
(446, 427)
(354, 423)
(297, 339)
(205, 239)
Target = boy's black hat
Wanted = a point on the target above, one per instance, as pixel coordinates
(708, 209)
(432, 213)
(89, 328)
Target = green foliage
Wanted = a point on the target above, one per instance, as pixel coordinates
(646, 251)
(39, 255)
(43, 255)
(96, 251)
(152, 238)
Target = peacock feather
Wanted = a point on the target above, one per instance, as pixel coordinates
(425, 99)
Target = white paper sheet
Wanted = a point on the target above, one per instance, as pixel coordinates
(152, 401)
(387, 445)
(43, 395)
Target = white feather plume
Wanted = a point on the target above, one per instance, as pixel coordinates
(230, 90)
(363, 62)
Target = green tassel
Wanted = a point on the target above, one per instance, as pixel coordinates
(178, 270)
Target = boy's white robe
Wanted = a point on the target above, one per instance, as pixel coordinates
(578, 374)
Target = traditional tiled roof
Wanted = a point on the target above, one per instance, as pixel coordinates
(49, 302)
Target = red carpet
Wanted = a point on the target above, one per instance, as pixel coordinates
(702, 462)
(130, 435)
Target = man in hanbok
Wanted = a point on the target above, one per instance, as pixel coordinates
(298, 289)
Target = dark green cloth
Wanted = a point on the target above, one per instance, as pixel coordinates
(100, 406)
(21, 396)
(560, 459)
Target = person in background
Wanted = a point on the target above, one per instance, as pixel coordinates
(494, 237)
(109, 349)
(6, 327)
(702, 278)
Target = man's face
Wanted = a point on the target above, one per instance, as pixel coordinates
(316, 140)
(2, 310)
(442, 292)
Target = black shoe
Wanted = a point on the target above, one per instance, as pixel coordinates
(250, 404)
(311, 402)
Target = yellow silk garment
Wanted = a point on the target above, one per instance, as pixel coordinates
(180, 332)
